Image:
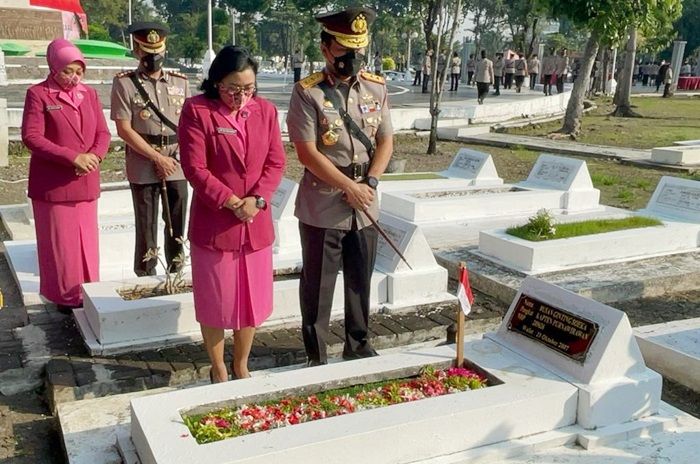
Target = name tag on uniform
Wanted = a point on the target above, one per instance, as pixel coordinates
(174, 90)
(226, 130)
(53, 107)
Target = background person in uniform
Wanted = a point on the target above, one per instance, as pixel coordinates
(338, 188)
(520, 72)
(298, 64)
(65, 130)
(471, 67)
(377, 63)
(509, 71)
(427, 69)
(232, 155)
(549, 68)
(441, 66)
(455, 71)
(484, 77)
(562, 69)
(417, 78)
(533, 67)
(498, 67)
(151, 153)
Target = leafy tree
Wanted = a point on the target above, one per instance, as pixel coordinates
(688, 26)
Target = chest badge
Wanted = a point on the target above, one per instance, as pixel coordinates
(144, 114)
(330, 138)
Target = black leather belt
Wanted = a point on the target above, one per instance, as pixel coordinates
(160, 140)
(355, 170)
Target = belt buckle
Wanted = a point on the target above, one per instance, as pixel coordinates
(356, 171)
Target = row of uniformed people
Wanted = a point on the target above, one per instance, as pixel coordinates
(226, 142)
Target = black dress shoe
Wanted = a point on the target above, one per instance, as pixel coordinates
(349, 356)
(315, 362)
(65, 309)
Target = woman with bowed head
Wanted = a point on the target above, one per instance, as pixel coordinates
(65, 130)
(232, 155)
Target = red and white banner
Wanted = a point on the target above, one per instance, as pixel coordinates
(464, 291)
(72, 6)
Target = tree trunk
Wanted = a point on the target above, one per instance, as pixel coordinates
(624, 105)
(436, 94)
(574, 110)
(434, 106)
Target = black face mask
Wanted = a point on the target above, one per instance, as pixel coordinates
(349, 64)
(153, 62)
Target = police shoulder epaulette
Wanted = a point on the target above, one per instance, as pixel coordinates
(372, 77)
(311, 80)
(125, 73)
(177, 74)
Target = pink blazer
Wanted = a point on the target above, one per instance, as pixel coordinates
(52, 134)
(217, 170)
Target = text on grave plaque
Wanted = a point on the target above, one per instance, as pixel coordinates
(555, 328)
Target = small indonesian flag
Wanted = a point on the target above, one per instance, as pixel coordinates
(464, 291)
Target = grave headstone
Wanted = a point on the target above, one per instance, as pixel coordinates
(675, 199)
(566, 174)
(588, 344)
(476, 165)
(424, 278)
(287, 246)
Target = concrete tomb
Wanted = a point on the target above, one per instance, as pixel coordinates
(681, 155)
(562, 185)
(676, 202)
(562, 370)
(116, 224)
(110, 324)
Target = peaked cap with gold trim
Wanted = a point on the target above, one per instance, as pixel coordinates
(149, 36)
(349, 27)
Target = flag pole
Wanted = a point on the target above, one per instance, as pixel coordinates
(460, 322)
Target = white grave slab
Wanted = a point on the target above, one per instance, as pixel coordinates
(110, 324)
(675, 199)
(673, 350)
(688, 143)
(615, 386)
(587, 250)
(676, 202)
(117, 240)
(561, 185)
(678, 155)
(600, 383)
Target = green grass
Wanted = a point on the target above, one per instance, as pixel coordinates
(412, 176)
(663, 122)
(604, 179)
(577, 229)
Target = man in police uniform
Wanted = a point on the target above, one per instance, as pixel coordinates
(343, 161)
(146, 106)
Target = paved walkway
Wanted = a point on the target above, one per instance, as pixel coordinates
(625, 155)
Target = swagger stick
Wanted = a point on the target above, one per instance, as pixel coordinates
(386, 237)
(166, 206)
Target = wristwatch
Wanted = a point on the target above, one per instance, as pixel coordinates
(372, 182)
(260, 202)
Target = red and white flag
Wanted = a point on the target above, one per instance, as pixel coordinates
(464, 291)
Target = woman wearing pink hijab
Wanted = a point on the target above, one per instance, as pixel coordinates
(64, 128)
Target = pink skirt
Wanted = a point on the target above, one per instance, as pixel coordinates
(67, 241)
(232, 290)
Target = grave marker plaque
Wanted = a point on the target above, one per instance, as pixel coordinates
(560, 173)
(676, 198)
(557, 329)
(475, 165)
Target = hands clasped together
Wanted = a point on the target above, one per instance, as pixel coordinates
(359, 196)
(85, 163)
(244, 208)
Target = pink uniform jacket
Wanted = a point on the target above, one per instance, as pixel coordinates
(54, 136)
(217, 170)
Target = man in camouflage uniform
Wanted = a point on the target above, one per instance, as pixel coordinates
(146, 106)
(343, 163)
